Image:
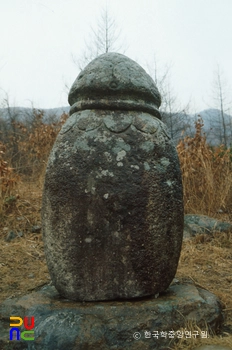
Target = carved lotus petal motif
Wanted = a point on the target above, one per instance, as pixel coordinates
(146, 123)
(87, 120)
(165, 130)
(117, 121)
(69, 124)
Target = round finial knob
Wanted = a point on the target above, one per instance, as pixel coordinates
(114, 81)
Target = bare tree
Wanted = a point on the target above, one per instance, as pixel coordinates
(172, 113)
(8, 130)
(222, 103)
(102, 39)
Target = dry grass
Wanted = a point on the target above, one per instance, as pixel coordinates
(191, 343)
(22, 260)
(34, 143)
(205, 261)
(206, 174)
(9, 181)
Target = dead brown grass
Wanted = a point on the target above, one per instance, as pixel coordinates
(206, 174)
(9, 181)
(22, 260)
(35, 143)
(205, 261)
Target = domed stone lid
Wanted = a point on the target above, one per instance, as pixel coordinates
(114, 81)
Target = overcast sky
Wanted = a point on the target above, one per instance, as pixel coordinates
(39, 38)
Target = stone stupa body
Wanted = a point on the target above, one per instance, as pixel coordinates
(112, 204)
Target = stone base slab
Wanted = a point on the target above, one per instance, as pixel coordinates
(132, 325)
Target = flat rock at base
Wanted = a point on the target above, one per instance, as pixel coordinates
(64, 324)
(198, 224)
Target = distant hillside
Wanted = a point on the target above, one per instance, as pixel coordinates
(23, 113)
(213, 126)
(178, 123)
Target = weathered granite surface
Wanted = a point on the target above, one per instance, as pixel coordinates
(63, 324)
(112, 207)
